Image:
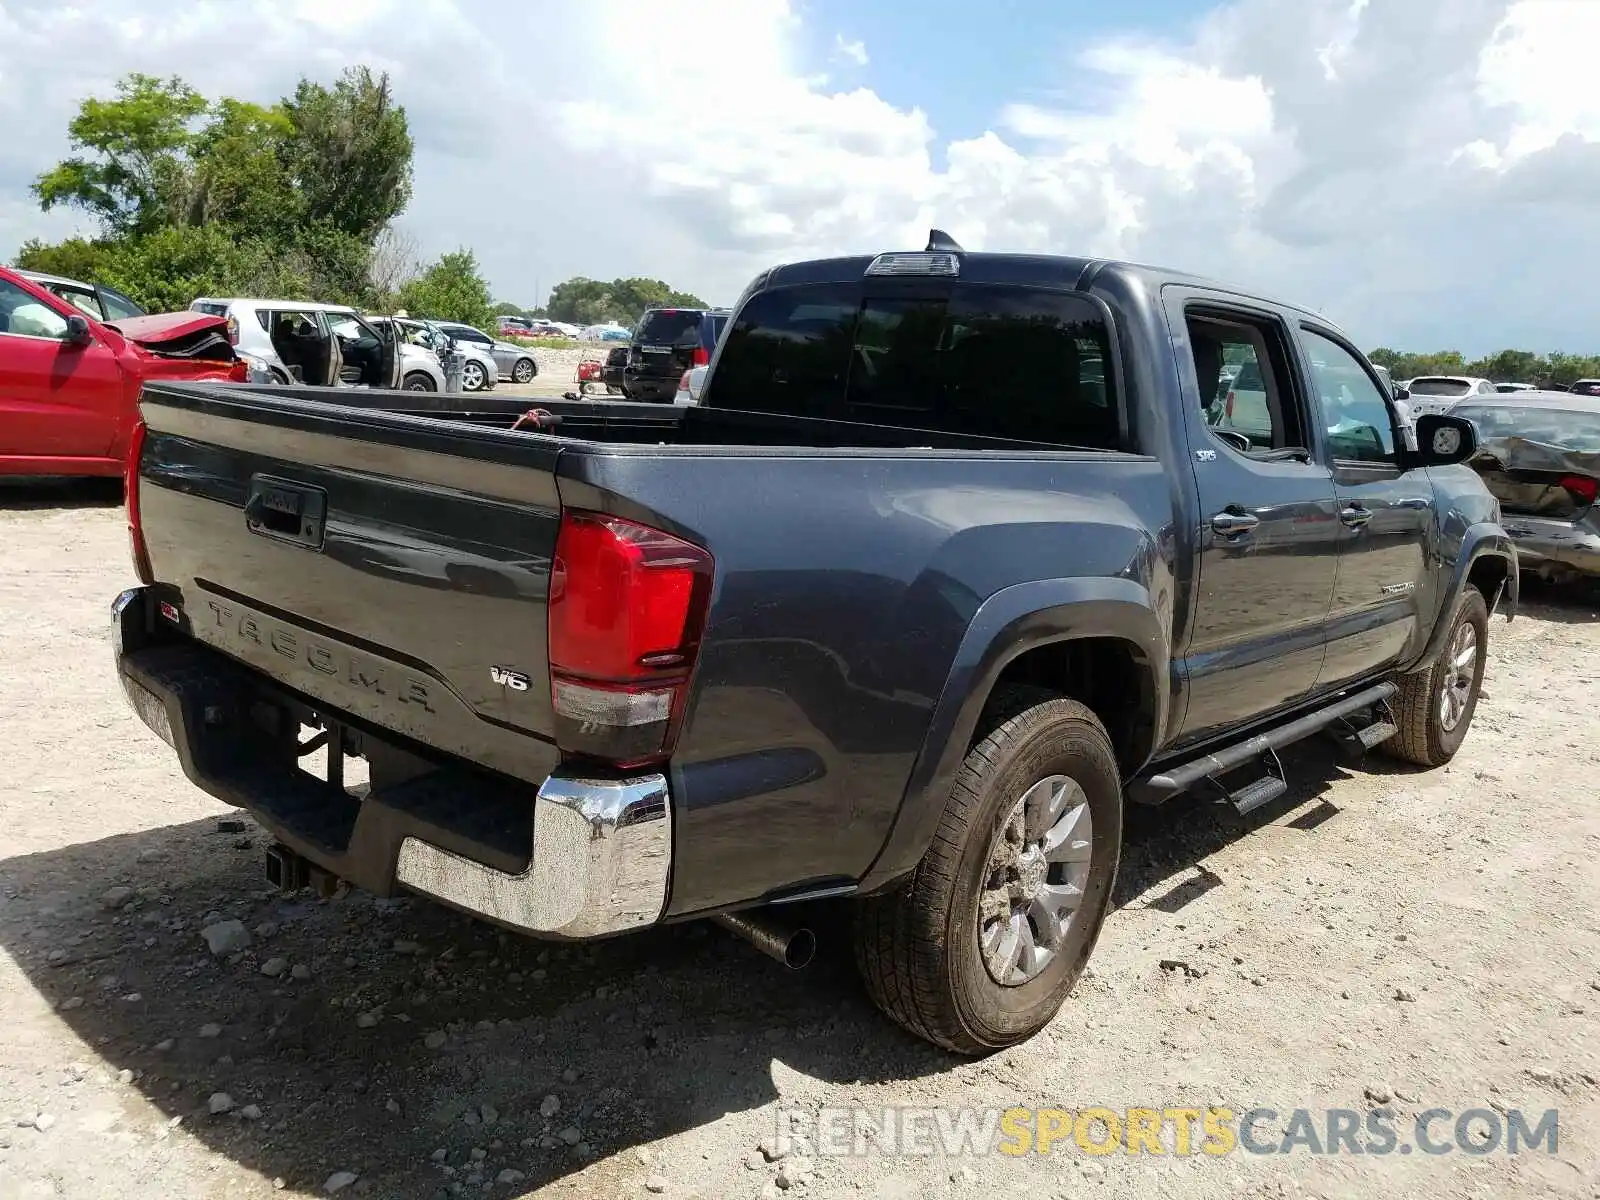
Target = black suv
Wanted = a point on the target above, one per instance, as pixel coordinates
(666, 343)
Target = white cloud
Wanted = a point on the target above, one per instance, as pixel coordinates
(848, 51)
(1425, 171)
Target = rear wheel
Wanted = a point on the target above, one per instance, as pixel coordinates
(1434, 708)
(524, 371)
(980, 948)
(417, 381)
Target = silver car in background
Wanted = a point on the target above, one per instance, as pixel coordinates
(1439, 393)
(512, 362)
(1539, 453)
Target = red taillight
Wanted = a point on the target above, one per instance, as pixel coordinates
(1582, 488)
(233, 330)
(702, 356)
(627, 607)
(130, 494)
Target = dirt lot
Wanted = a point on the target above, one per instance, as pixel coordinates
(1427, 939)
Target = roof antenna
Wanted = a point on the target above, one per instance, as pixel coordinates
(938, 239)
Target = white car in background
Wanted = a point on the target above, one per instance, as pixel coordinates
(319, 345)
(691, 386)
(1432, 394)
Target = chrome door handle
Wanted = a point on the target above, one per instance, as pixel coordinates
(1355, 516)
(1232, 524)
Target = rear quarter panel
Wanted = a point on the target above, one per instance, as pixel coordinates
(845, 583)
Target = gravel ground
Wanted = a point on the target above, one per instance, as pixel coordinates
(1425, 939)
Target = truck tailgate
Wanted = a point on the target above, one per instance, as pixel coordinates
(394, 568)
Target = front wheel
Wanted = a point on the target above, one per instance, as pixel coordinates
(524, 371)
(472, 376)
(1434, 708)
(980, 948)
(417, 381)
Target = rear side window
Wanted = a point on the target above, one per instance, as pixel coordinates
(205, 306)
(1002, 362)
(670, 327)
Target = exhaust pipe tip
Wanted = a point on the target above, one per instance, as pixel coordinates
(793, 947)
(801, 950)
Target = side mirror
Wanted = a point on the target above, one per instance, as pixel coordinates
(77, 331)
(1443, 441)
(1401, 393)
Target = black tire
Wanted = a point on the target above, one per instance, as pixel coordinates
(919, 948)
(524, 370)
(1425, 737)
(418, 381)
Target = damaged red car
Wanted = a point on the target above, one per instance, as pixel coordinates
(69, 384)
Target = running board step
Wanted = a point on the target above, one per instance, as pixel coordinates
(1357, 740)
(1157, 788)
(1263, 790)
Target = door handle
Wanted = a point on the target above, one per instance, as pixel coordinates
(1355, 515)
(1233, 524)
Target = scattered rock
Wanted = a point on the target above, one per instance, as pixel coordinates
(114, 898)
(210, 1030)
(405, 947)
(1378, 1093)
(163, 1046)
(219, 1103)
(241, 843)
(510, 1176)
(274, 967)
(656, 1184)
(232, 825)
(440, 1154)
(489, 1113)
(300, 971)
(71, 1002)
(251, 1112)
(60, 958)
(125, 1076)
(793, 1173)
(339, 1180)
(43, 1121)
(366, 1020)
(770, 1150)
(571, 1135)
(550, 1106)
(267, 929)
(569, 1076)
(435, 1039)
(478, 1154)
(1405, 997)
(225, 938)
(392, 1106)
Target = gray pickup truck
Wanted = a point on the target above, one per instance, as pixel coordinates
(953, 561)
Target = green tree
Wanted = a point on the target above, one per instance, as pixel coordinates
(452, 289)
(136, 178)
(74, 258)
(582, 301)
(348, 152)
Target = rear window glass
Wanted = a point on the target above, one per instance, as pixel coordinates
(215, 310)
(1003, 362)
(1553, 426)
(1586, 387)
(670, 327)
(1439, 387)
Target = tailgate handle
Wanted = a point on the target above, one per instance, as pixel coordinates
(286, 511)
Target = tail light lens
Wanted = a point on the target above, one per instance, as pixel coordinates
(233, 330)
(1581, 488)
(701, 356)
(627, 608)
(130, 494)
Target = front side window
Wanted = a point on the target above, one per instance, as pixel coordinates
(26, 316)
(80, 299)
(118, 307)
(1355, 415)
(1016, 363)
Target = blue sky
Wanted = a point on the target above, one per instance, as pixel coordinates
(961, 61)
